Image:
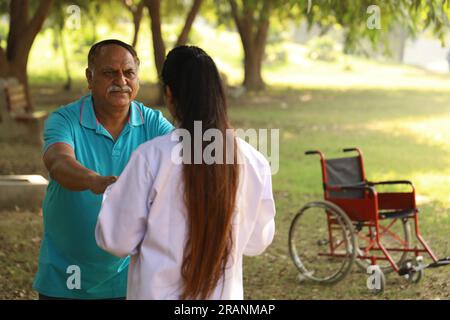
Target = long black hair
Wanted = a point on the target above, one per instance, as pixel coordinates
(210, 189)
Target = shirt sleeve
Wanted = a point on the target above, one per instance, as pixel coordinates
(122, 221)
(163, 126)
(264, 229)
(57, 129)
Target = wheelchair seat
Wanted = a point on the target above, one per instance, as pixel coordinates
(396, 214)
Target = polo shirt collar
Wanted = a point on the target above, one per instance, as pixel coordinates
(136, 116)
(87, 113)
(89, 120)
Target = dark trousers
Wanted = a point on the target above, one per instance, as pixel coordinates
(44, 297)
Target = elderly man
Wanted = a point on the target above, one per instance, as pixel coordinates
(87, 145)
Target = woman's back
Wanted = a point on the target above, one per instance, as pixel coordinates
(184, 214)
(154, 227)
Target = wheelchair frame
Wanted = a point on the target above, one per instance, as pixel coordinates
(367, 211)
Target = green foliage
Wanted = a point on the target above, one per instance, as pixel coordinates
(353, 15)
(278, 11)
(3, 33)
(4, 5)
(275, 55)
(323, 49)
(174, 10)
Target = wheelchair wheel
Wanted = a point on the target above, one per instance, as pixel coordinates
(413, 276)
(394, 233)
(322, 242)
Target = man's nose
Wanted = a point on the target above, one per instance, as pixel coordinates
(120, 79)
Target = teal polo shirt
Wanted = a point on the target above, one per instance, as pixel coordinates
(71, 265)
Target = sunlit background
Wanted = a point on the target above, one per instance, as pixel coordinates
(388, 93)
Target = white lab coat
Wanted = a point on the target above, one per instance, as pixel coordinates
(143, 215)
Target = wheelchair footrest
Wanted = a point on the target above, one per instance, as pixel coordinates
(440, 263)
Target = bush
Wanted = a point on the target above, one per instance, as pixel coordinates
(324, 49)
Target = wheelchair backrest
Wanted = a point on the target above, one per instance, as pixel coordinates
(344, 171)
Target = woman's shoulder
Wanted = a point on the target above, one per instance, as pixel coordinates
(250, 154)
(156, 152)
(158, 144)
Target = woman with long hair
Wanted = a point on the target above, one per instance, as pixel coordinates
(186, 213)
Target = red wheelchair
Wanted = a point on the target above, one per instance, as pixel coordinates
(357, 223)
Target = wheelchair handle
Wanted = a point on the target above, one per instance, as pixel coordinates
(309, 152)
(350, 149)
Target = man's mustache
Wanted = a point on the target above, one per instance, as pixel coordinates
(115, 88)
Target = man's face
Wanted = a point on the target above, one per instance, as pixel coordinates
(113, 79)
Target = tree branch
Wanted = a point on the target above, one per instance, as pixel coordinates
(154, 7)
(137, 18)
(235, 14)
(140, 7)
(137, 12)
(18, 17)
(127, 5)
(263, 23)
(183, 37)
(3, 61)
(38, 19)
(2, 52)
(132, 8)
(244, 24)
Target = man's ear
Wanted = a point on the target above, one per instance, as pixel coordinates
(169, 100)
(169, 96)
(168, 93)
(89, 77)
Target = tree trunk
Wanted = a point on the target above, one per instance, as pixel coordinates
(137, 19)
(3, 63)
(183, 37)
(137, 13)
(253, 33)
(94, 29)
(398, 43)
(21, 35)
(17, 69)
(159, 47)
(61, 45)
(253, 80)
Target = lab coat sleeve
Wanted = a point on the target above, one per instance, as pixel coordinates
(122, 221)
(264, 229)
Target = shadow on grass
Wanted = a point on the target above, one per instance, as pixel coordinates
(318, 119)
(274, 276)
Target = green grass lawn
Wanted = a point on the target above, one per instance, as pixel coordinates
(404, 134)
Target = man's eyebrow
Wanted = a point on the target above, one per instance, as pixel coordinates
(112, 69)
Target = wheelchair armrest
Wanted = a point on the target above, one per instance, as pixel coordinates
(359, 186)
(374, 183)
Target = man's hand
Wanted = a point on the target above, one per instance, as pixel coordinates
(98, 184)
(68, 172)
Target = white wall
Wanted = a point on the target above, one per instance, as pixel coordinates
(427, 53)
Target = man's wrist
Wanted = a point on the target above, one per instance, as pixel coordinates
(90, 180)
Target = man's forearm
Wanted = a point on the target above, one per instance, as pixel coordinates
(72, 175)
